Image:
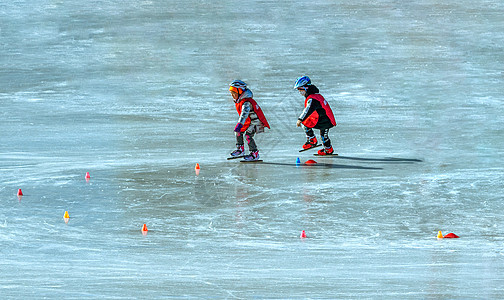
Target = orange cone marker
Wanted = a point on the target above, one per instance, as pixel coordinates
(310, 162)
(20, 193)
(303, 234)
(144, 229)
(197, 169)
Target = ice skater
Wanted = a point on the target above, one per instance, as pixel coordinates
(250, 122)
(317, 114)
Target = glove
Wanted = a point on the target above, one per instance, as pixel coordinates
(298, 123)
(238, 127)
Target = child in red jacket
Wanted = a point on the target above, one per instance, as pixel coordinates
(250, 122)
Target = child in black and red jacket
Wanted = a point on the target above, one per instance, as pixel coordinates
(317, 114)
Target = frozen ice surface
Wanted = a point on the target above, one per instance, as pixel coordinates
(135, 92)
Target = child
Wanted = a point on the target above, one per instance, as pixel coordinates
(317, 114)
(250, 122)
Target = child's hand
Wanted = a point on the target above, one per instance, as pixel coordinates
(298, 123)
(238, 127)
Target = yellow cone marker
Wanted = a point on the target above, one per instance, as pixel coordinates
(66, 217)
(440, 235)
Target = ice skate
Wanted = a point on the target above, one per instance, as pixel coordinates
(326, 151)
(253, 156)
(310, 143)
(239, 152)
(240, 149)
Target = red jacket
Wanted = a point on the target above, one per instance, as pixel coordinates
(256, 109)
(312, 120)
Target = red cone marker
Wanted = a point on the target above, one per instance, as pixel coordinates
(451, 236)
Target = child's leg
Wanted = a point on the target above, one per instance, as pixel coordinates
(239, 145)
(324, 134)
(311, 140)
(309, 132)
(250, 140)
(254, 153)
(239, 138)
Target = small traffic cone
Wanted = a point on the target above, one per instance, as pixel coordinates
(303, 234)
(197, 169)
(451, 236)
(66, 217)
(144, 227)
(20, 193)
(440, 235)
(298, 161)
(88, 176)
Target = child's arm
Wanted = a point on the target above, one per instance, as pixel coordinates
(246, 108)
(245, 111)
(309, 109)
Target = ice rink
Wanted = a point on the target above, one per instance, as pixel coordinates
(136, 94)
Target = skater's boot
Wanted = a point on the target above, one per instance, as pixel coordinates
(239, 151)
(326, 151)
(254, 155)
(310, 143)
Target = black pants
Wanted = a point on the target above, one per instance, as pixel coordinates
(324, 134)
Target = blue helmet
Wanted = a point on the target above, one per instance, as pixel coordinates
(302, 81)
(238, 84)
